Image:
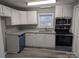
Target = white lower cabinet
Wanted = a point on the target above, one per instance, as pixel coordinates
(40, 40)
(15, 43)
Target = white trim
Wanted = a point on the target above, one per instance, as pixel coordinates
(5, 53)
(73, 30)
(53, 17)
(73, 26)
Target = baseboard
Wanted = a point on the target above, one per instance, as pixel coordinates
(75, 54)
(5, 53)
(39, 47)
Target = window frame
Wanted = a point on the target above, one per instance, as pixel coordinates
(52, 21)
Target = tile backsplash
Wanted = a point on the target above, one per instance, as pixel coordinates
(12, 28)
(34, 28)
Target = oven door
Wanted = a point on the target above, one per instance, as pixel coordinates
(64, 40)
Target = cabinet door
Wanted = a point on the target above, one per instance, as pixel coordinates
(67, 10)
(32, 17)
(23, 17)
(59, 11)
(31, 40)
(40, 40)
(48, 40)
(1, 14)
(6, 11)
(15, 17)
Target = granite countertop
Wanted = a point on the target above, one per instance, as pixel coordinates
(30, 32)
(15, 33)
(42, 32)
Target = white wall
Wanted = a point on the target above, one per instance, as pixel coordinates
(11, 28)
(46, 10)
(2, 53)
(3, 29)
(3, 32)
(75, 31)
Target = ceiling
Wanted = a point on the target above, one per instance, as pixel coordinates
(22, 3)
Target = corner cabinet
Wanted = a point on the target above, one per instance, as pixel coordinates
(32, 17)
(63, 11)
(22, 18)
(6, 11)
(15, 43)
(15, 17)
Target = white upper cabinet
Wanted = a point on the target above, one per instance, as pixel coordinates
(6, 11)
(63, 11)
(67, 11)
(59, 11)
(15, 18)
(32, 17)
(18, 17)
(23, 17)
(1, 14)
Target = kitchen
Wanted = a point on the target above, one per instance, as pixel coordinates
(25, 27)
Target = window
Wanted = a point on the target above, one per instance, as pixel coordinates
(45, 20)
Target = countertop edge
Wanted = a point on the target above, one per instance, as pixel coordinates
(19, 33)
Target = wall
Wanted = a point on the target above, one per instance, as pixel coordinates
(75, 28)
(46, 10)
(3, 31)
(76, 2)
(11, 28)
(2, 53)
(8, 29)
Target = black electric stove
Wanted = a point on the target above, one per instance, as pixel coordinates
(63, 35)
